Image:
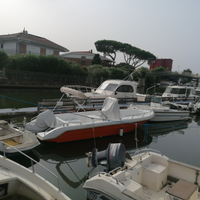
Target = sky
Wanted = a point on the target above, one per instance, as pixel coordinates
(166, 28)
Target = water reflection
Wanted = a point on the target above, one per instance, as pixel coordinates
(23, 160)
(196, 118)
(72, 154)
(156, 130)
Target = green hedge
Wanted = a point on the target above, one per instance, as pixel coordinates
(46, 64)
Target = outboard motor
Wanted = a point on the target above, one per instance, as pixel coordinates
(111, 158)
(190, 106)
(197, 107)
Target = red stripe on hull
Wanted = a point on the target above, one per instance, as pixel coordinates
(89, 133)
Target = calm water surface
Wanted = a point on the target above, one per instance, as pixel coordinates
(177, 140)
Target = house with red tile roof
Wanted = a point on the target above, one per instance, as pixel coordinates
(84, 58)
(25, 43)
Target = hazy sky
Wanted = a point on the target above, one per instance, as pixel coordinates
(166, 28)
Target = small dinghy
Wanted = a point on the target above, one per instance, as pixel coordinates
(146, 175)
(10, 135)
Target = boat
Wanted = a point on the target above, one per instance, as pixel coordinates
(147, 174)
(22, 140)
(162, 113)
(117, 89)
(181, 91)
(194, 107)
(67, 127)
(19, 182)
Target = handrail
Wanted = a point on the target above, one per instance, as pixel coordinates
(146, 150)
(131, 168)
(32, 160)
(108, 174)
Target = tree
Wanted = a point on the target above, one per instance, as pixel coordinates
(116, 73)
(135, 56)
(97, 71)
(96, 59)
(108, 47)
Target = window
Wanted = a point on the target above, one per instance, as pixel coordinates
(178, 91)
(125, 88)
(111, 87)
(1, 46)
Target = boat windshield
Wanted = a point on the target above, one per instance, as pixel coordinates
(168, 90)
(175, 90)
(107, 86)
(196, 92)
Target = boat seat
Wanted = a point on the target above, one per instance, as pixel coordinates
(12, 135)
(28, 144)
(132, 188)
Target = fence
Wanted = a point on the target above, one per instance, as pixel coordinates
(18, 75)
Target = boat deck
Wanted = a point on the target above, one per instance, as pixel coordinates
(150, 194)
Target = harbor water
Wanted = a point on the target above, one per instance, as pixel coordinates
(178, 140)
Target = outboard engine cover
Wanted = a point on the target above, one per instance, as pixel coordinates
(111, 158)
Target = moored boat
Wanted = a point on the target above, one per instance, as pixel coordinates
(22, 140)
(19, 182)
(145, 175)
(162, 113)
(117, 89)
(66, 127)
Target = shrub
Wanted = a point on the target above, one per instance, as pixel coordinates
(3, 59)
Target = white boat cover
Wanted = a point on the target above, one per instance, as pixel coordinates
(76, 93)
(43, 121)
(110, 109)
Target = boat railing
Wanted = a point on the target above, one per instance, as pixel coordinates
(32, 161)
(109, 175)
(145, 151)
(131, 168)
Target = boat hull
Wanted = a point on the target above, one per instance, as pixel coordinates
(94, 132)
(169, 116)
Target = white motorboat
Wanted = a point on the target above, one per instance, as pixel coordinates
(162, 113)
(22, 140)
(66, 127)
(117, 89)
(19, 182)
(147, 175)
(177, 91)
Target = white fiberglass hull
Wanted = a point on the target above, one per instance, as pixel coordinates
(14, 139)
(87, 125)
(171, 115)
(16, 179)
(163, 113)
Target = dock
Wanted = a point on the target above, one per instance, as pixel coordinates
(17, 112)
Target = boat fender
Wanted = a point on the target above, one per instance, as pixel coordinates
(121, 131)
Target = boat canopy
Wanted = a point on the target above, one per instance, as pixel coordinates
(71, 91)
(110, 109)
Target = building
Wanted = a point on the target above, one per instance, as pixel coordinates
(166, 63)
(25, 43)
(84, 58)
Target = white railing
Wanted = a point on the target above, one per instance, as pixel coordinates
(32, 161)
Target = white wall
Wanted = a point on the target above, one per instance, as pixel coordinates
(49, 51)
(32, 49)
(9, 45)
